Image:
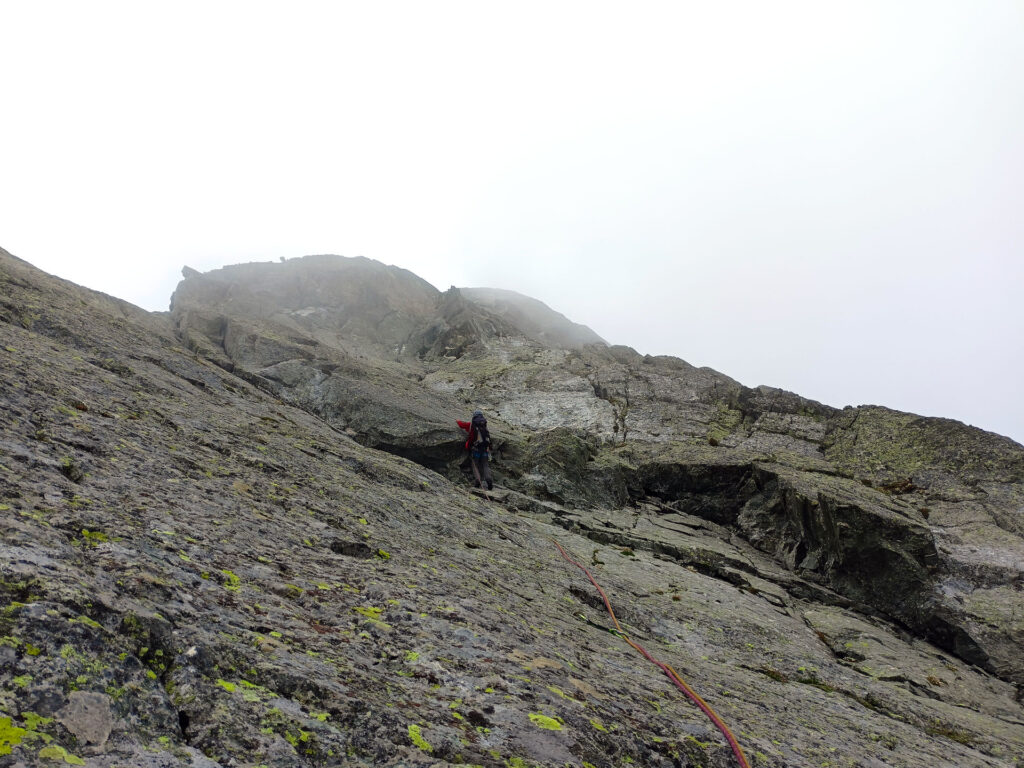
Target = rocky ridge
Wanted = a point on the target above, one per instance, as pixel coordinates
(239, 534)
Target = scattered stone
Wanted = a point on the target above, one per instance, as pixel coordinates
(355, 549)
(88, 717)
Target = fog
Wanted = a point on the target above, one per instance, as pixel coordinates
(819, 197)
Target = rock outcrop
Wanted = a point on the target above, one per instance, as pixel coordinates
(239, 535)
(921, 519)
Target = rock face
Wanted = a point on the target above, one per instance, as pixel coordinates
(240, 535)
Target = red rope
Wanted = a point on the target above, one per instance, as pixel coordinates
(671, 673)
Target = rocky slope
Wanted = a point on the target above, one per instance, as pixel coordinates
(239, 535)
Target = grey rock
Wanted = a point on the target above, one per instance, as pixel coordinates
(88, 716)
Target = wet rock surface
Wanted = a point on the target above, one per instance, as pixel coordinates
(207, 559)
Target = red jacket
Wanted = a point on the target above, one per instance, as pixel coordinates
(468, 426)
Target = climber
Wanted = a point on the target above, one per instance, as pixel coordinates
(479, 446)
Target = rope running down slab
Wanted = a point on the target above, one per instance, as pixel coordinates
(671, 673)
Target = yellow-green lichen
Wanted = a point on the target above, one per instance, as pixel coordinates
(252, 692)
(32, 723)
(294, 740)
(59, 754)
(231, 581)
(545, 722)
(373, 614)
(94, 538)
(229, 687)
(10, 735)
(416, 737)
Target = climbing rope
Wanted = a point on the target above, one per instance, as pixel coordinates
(671, 673)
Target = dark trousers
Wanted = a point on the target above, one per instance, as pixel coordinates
(481, 469)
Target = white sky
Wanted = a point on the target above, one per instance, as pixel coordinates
(824, 197)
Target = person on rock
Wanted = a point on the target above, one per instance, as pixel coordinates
(478, 443)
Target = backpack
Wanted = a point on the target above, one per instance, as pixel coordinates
(483, 438)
